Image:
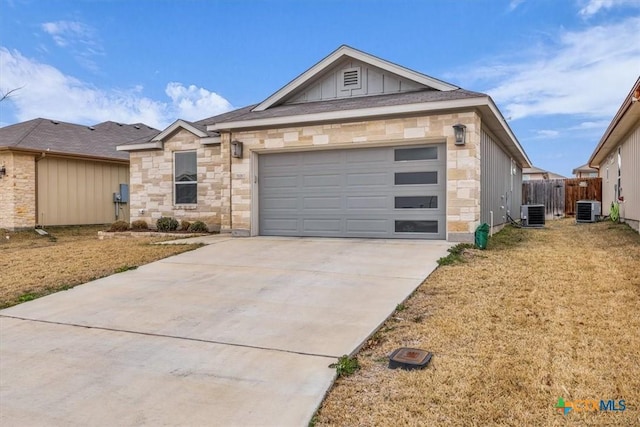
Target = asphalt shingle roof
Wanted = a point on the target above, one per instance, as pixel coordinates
(346, 104)
(99, 140)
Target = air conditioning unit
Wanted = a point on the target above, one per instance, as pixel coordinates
(588, 210)
(532, 215)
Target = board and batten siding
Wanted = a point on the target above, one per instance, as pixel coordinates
(370, 81)
(79, 192)
(630, 179)
(501, 183)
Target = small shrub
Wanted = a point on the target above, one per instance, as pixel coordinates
(184, 225)
(346, 366)
(119, 226)
(139, 224)
(455, 254)
(166, 223)
(198, 227)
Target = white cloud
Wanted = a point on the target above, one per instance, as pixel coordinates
(80, 39)
(601, 124)
(47, 92)
(548, 133)
(592, 7)
(191, 101)
(585, 72)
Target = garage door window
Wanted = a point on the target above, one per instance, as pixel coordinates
(420, 153)
(403, 226)
(412, 178)
(186, 178)
(416, 202)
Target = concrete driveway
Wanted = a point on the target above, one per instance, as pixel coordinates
(239, 332)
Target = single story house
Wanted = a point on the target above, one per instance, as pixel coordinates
(356, 146)
(534, 173)
(56, 173)
(585, 171)
(617, 159)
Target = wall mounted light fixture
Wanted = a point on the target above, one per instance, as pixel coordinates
(459, 131)
(236, 149)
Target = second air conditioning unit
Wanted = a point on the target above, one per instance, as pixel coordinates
(532, 215)
(588, 210)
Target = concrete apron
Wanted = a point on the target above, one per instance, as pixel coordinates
(239, 332)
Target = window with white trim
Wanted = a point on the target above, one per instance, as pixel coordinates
(185, 178)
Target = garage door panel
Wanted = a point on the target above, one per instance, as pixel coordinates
(367, 202)
(369, 226)
(353, 193)
(280, 203)
(323, 225)
(282, 226)
(322, 181)
(322, 158)
(369, 157)
(367, 179)
(322, 203)
(281, 182)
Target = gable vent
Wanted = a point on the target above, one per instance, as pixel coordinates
(351, 79)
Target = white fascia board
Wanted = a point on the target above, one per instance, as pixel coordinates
(179, 124)
(507, 129)
(152, 145)
(211, 140)
(352, 114)
(338, 54)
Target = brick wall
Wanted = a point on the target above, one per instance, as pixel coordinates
(151, 174)
(18, 191)
(463, 163)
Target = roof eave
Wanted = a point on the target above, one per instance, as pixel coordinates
(349, 114)
(45, 153)
(631, 106)
(151, 145)
(179, 124)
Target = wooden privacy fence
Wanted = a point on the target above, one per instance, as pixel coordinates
(559, 196)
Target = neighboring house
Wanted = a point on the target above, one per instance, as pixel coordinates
(585, 171)
(533, 173)
(617, 158)
(355, 146)
(55, 173)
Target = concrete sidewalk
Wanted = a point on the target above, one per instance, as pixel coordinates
(239, 332)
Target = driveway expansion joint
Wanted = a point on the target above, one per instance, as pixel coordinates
(152, 334)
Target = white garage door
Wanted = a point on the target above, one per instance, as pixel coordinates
(390, 192)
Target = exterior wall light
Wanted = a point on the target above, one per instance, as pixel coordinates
(236, 149)
(459, 131)
(3, 171)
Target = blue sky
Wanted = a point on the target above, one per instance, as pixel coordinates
(557, 69)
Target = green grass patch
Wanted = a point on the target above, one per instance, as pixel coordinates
(455, 254)
(125, 268)
(346, 366)
(509, 237)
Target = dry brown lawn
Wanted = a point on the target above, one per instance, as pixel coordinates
(541, 314)
(32, 265)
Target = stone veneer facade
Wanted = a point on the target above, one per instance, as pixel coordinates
(223, 180)
(151, 182)
(463, 163)
(18, 191)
